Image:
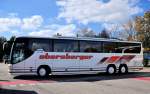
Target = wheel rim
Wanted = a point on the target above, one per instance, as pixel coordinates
(111, 70)
(42, 72)
(123, 69)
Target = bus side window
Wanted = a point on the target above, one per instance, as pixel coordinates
(91, 46)
(118, 50)
(133, 50)
(44, 44)
(109, 47)
(65, 45)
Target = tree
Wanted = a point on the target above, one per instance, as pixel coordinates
(8, 45)
(129, 28)
(104, 34)
(115, 32)
(2, 40)
(113, 29)
(143, 29)
(86, 32)
(138, 27)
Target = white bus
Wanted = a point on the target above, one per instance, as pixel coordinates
(73, 55)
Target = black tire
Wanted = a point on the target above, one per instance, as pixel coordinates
(123, 69)
(111, 69)
(45, 70)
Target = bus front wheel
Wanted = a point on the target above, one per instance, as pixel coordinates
(43, 71)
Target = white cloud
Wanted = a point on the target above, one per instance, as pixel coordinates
(10, 22)
(16, 26)
(64, 30)
(86, 11)
(16, 33)
(4, 29)
(31, 23)
(7, 23)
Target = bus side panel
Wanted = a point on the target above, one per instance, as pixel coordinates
(136, 63)
(56, 62)
(96, 63)
(63, 65)
(30, 63)
(83, 62)
(40, 61)
(101, 61)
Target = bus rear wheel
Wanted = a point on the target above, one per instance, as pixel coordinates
(111, 69)
(43, 71)
(123, 69)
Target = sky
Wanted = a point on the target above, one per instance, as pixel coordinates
(48, 17)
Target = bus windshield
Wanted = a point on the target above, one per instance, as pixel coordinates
(20, 51)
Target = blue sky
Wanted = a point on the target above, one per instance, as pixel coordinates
(48, 17)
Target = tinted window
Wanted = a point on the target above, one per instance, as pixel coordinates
(121, 47)
(129, 47)
(63, 45)
(109, 47)
(90, 46)
(123, 44)
(133, 50)
(20, 51)
(44, 44)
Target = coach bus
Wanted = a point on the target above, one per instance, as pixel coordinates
(73, 55)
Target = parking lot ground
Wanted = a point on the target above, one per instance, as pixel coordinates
(131, 83)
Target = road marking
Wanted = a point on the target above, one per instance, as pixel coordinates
(23, 82)
(143, 78)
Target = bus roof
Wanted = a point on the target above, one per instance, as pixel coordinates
(80, 38)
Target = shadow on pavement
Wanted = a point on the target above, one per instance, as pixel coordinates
(4, 80)
(85, 77)
(10, 91)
